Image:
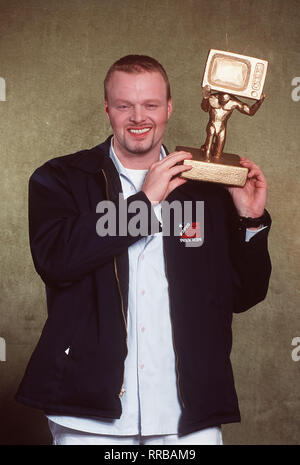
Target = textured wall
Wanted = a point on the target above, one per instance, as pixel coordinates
(54, 55)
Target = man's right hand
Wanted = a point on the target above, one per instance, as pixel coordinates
(163, 176)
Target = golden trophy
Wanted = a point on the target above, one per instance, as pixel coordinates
(229, 75)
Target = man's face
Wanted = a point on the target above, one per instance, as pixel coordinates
(138, 111)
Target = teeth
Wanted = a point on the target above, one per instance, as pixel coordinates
(139, 131)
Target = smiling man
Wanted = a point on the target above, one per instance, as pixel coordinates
(138, 108)
(136, 349)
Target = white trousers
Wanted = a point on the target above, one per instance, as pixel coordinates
(66, 436)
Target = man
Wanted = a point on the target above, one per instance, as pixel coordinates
(220, 107)
(137, 343)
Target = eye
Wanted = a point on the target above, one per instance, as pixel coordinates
(123, 107)
(151, 106)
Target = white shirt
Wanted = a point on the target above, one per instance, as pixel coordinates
(150, 404)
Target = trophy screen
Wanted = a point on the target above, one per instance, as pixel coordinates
(229, 72)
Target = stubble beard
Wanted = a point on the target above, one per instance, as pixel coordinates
(139, 148)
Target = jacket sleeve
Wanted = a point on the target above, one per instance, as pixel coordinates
(252, 271)
(251, 264)
(64, 242)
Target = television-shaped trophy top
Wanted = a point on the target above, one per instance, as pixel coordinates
(227, 75)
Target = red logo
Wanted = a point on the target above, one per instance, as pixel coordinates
(191, 231)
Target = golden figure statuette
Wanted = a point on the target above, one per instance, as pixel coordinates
(229, 74)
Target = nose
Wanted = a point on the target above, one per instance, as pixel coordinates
(137, 115)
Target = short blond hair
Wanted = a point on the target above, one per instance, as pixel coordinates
(137, 64)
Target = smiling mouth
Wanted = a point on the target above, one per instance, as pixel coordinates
(139, 131)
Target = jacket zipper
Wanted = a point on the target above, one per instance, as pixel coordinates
(124, 319)
(119, 289)
(173, 338)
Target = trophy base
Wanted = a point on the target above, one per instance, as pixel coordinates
(224, 170)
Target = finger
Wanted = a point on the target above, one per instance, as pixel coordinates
(175, 157)
(254, 170)
(256, 183)
(178, 169)
(250, 165)
(176, 182)
(245, 160)
(257, 178)
(180, 154)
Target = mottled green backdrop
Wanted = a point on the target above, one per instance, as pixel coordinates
(53, 56)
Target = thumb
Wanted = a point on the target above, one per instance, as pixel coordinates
(176, 182)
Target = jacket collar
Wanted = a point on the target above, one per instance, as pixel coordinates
(92, 160)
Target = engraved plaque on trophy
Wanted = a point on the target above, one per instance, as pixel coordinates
(227, 75)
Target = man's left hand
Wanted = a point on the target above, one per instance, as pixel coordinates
(250, 200)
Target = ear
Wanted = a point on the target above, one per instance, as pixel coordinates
(106, 109)
(170, 107)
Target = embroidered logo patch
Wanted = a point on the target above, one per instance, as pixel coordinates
(191, 234)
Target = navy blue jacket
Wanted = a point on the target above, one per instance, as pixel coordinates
(86, 278)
